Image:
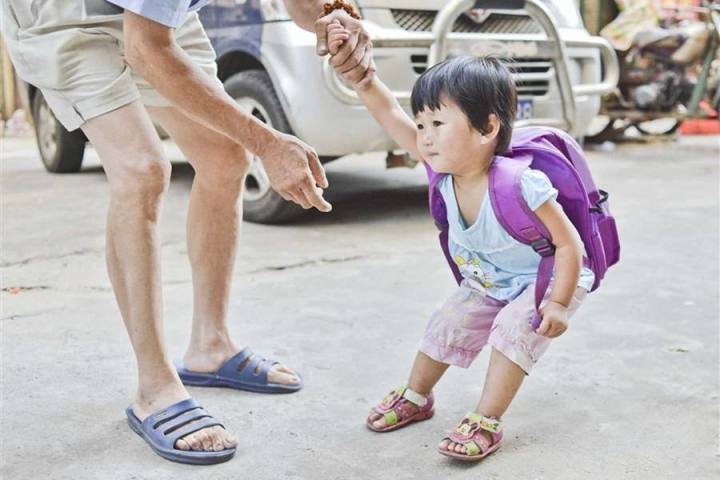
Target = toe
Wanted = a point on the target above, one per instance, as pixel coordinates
(282, 374)
(217, 438)
(458, 448)
(182, 444)
(444, 444)
(205, 440)
(374, 416)
(229, 441)
(194, 442)
(379, 423)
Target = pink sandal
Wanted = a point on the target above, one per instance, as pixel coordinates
(469, 435)
(395, 409)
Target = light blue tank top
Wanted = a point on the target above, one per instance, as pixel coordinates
(486, 253)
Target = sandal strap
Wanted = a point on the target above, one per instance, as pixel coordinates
(393, 406)
(177, 421)
(472, 448)
(255, 368)
(468, 430)
(194, 426)
(414, 397)
(398, 395)
(474, 421)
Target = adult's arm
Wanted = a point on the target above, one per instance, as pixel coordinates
(293, 167)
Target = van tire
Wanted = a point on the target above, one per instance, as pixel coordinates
(60, 151)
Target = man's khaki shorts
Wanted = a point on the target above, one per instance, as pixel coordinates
(73, 52)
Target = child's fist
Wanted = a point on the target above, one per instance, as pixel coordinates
(359, 69)
(336, 36)
(554, 320)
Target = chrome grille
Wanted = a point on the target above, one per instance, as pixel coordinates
(422, 20)
(532, 75)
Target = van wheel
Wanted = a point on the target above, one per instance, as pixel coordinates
(254, 92)
(61, 151)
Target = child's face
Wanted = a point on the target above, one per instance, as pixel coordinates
(449, 143)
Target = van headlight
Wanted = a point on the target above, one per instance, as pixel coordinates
(275, 11)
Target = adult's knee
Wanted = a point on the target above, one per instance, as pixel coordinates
(144, 176)
(224, 168)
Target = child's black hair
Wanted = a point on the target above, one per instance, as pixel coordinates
(480, 86)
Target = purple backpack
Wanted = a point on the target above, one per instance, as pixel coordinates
(556, 154)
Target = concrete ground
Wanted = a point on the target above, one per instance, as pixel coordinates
(630, 392)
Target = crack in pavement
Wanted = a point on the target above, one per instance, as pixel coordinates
(21, 315)
(22, 288)
(320, 261)
(82, 251)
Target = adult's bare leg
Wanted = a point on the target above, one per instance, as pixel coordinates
(139, 173)
(213, 229)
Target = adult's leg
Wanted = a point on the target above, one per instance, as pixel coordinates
(213, 228)
(138, 174)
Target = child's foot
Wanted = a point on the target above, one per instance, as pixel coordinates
(474, 438)
(400, 408)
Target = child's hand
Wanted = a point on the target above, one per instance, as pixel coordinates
(336, 36)
(359, 78)
(554, 320)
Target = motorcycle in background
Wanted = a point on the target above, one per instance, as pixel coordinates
(670, 72)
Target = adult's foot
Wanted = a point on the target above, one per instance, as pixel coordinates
(208, 359)
(153, 400)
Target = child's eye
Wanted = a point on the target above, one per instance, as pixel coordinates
(420, 126)
(436, 123)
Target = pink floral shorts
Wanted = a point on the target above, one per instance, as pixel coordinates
(470, 319)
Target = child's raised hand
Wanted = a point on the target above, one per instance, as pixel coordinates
(359, 75)
(554, 320)
(336, 36)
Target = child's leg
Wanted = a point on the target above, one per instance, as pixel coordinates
(515, 350)
(502, 381)
(455, 335)
(424, 375)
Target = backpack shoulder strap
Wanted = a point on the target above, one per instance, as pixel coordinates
(515, 216)
(438, 210)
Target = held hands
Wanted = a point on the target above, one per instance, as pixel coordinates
(345, 39)
(295, 172)
(554, 320)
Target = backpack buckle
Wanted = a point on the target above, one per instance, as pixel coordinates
(603, 198)
(543, 247)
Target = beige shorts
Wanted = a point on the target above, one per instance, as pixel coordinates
(73, 52)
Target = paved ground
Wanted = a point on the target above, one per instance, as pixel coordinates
(630, 392)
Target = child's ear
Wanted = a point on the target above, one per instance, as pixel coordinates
(492, 129)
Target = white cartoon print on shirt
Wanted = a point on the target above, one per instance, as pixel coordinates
(471, 269)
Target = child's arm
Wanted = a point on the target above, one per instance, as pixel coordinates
(568, 264)
(379, 101)
(384, 107)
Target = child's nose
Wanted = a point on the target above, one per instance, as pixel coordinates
(426, 138)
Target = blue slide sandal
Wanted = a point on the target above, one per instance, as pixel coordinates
(162, 429)
(244, 371)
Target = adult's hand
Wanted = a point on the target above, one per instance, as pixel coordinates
(295, 172)
(353, 60)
